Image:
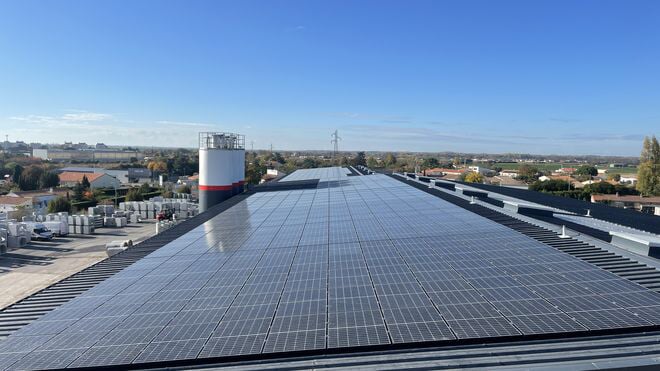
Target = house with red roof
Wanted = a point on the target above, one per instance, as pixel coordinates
(96, 180)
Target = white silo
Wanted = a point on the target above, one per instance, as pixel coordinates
(239, 162)
(235, 175)
(241, 170)
(217, 166)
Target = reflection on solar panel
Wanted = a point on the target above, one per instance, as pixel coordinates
(363, 260)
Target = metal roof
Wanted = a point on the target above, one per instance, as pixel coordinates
(625, 217)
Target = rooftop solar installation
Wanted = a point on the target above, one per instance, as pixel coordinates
(358, 261)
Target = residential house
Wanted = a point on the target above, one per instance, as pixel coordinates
(96, 180)
(272, 174)
(121, 175)
(566, 170)
(482, 170)
(192, 180)
(442, 172)
(591, 181)
(628, 179)
(649, 205)
(507, 181)
(9, 204)
(509, 173)
(40, 198)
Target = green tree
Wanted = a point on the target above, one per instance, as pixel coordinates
(372, 162)
(309, 163)
(144, 188)
(527, 173)
(586, 170)
(29, 179)
(85, 182)
(430, 163)
(134, 194)
(552, 185)
(289, 165)
(254, 170)
(16, 171)
(184, 164)
(278, 157)
(600, 188)
(390, 160)
(360, 159)
(648, 173)
(78, 192)
(60, 204)
(49, 179)
(184, 189)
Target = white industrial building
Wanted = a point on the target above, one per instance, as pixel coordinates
(100, 155)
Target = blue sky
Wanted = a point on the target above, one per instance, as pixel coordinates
(564, 77)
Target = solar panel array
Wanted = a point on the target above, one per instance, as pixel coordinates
(323, 174)
(363, 260)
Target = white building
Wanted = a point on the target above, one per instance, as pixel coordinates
(10, 204)
(509, 173)
(628, 179)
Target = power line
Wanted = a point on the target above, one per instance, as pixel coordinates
(335, 140)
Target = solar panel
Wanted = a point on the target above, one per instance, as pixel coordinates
(359, 261)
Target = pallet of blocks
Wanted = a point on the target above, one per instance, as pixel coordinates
(81, 224)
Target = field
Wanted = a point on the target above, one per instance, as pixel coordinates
(543, 166)
(622, 170)
(515, 165)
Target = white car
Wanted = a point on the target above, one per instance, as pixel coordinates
(40, 232)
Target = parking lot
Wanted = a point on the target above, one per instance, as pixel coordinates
(27, 270)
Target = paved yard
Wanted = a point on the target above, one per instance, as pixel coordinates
(27, 270)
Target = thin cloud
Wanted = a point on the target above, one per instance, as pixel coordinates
(86, 116)
(185, 123)
(298, 28)
(427, 135)
(416, 134)
(65, 119)
(392, 119)
(563, 120)
(95, 127)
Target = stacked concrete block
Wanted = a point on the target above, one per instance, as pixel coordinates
(82, 224)
(182, 196)
(18, 234)
(121, 222)
(88, 224)
(109, 222)
(96, 221)
(57, 224)
(181, 207)
(4, 245)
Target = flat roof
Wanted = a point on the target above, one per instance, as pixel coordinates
(358, 263)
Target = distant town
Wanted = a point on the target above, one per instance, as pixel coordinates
(84, 175)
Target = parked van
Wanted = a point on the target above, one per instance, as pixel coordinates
(59, 228)
(40, 232)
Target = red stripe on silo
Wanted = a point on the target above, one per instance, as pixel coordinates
(215, 188)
